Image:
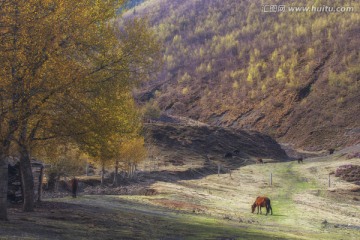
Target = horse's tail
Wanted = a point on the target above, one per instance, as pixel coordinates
(270, 208)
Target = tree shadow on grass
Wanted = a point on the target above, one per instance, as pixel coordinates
(104, 217)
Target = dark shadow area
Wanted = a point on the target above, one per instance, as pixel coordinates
(218, 150)
(206, 140)
(103, 217)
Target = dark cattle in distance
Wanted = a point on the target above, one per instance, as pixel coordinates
(259, 161)
(74, 187)
(331, 150)
(300, 160)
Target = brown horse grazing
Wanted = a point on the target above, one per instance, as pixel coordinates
(74, 186)
(262, 202)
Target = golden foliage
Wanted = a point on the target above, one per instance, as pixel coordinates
(68, 71)
(133, 150)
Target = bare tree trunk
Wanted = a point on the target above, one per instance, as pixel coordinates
(41, 178)
(10, 123)
(135, 169)
(3, 187)
(87, 169)
(27, 180)
(130, 170)
(4, 153)
(102, 174)
(57, 182)
(115, 183)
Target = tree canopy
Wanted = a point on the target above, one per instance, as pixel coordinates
(67, 73)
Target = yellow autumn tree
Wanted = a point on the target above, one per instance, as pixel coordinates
(60, 59)
(118, 120)
(132, 152)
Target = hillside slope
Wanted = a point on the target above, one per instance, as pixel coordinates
(293, 75)
(185, 152)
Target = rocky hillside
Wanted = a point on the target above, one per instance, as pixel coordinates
(292, 75)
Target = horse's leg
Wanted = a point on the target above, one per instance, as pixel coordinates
(258, 209)
(270, 208)
(267, 210)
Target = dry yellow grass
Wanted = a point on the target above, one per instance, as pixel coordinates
(302, 201)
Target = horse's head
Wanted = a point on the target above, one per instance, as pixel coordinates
(253, 208)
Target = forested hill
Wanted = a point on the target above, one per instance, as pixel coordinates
(293, 75)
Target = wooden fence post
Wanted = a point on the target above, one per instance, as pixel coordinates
(329, 181)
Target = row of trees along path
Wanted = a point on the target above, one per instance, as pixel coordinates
(66, 76)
